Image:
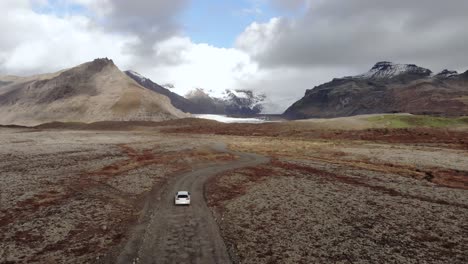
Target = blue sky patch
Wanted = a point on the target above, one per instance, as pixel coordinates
(219, 22)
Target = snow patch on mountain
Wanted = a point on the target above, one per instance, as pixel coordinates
(243, 102)
(446, 74)
(137, 75)
(238, 93)
(231, 102)
(168, 86)
(388, 70)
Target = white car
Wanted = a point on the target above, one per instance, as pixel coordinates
(182, 198)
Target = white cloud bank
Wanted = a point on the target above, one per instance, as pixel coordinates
(36, 43)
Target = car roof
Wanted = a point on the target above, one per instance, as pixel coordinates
(182, 193)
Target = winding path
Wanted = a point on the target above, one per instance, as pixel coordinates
(178, 234)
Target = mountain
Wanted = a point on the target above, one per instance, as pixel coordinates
(93, 91)
(178, 101)
(198, 101)
(243, 102)
(233, 102)
(386, 88)
(397, 72)
(206, 103)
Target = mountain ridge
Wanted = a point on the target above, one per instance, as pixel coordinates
(177, 101)
(90, 92)
(389, 70)
(198, 101)
(386, 88)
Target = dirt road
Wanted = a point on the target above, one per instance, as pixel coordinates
(182, 234)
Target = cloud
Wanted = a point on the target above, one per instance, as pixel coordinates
(289, 5)
(358, 33)
(285, 85)
(199, 65)
(216, 69)
(34, 43)
(45, 35)
(150, 21)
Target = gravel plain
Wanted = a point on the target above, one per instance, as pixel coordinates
(74, 196)
(343, 202)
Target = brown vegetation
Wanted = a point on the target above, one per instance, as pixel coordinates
(90, 194)
(300, 212)
(367, 196)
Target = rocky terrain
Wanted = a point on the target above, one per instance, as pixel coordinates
(342, 201)
(93, 91)
(386, 88)
(73, 196)
(82, 193)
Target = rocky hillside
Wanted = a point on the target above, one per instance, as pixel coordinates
(93, 91)
(386, 88)
(178, 101)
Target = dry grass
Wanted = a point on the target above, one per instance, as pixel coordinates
(416, 161)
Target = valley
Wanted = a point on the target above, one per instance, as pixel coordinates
(244, 132)
(82, 193)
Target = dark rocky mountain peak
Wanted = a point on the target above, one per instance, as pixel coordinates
(100, 63)
(389, 70)
(464, 75)
(446, 74)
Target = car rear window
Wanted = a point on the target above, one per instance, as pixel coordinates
(182, 196)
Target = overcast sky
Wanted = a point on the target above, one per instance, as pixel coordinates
(278, 47)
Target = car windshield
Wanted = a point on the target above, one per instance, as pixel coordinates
(182, 196)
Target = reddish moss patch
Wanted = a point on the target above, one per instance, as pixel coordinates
(219, 193)
(358, 182)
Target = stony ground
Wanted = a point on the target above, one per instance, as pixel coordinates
(71, 196)
(344, 202)
(371, 196)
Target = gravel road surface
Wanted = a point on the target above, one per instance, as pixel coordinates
(182, 234)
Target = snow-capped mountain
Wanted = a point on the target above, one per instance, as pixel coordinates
(199, 101)
(206, 104)
(243, 102)
(386, 88)
(446, 74)
(388, 70)
(233, 102)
